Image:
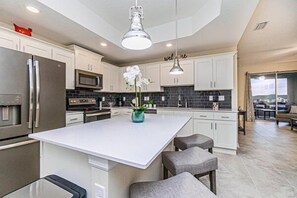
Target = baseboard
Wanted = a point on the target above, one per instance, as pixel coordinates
(225, 151)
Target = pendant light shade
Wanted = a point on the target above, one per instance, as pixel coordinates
(176, 69)
(136, 38)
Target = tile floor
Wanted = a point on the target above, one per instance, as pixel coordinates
(266, 164)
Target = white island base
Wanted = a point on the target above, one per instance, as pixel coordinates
(92, 172)
(107, 156)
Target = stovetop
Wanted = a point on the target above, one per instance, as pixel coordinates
(88, 109)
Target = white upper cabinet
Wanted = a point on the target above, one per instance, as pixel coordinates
(214, 73)
(36, 48)
(111, 74)
(151, 72)
(187, 78)
(86, 60)
(66, 56)
(9, 40)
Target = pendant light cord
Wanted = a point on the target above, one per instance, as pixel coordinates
(136, 3)
(176, 29)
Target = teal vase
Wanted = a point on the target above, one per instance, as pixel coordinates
(137, 116)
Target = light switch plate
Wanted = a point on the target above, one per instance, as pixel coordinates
(99, 191)
(221, 98)
(103, 99)
(210, 98)
(124, 98)
(163, 98)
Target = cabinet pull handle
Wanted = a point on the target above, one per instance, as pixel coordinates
(73, 119)
(16, 46)
(211, 84)
(225, 117)
(215, 126)
(203, 116)
(214, 84)
(211, 126)
(23, 48)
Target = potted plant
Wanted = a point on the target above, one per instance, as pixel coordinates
(134, 79)
(150, 103)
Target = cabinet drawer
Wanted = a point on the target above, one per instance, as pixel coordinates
(203, 115)
(225, 116)
(74, 118)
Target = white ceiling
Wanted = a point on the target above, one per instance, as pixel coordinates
(277, 42)
(202, 25)
(155, 12)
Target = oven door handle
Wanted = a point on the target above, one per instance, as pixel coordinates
(98, 114)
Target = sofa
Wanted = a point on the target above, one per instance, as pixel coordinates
(285, 116)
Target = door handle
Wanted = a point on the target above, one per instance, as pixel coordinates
(36, 64)
(98, 114)
(9, 146)
(31, 89)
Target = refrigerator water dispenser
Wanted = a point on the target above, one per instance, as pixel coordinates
(10, 110)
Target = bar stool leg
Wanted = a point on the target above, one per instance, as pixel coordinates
(210, 150)
(212, 179)
(176, 149)
(165, 172)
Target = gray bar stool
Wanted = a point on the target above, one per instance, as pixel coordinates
(199, 140)
(194, 160)
(182, 185)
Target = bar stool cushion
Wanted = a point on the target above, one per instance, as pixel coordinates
(199, 140)
(193, 160)
(182, 185)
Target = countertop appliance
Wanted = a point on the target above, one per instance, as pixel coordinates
(88, 80)
(90, 108)
(32, 99)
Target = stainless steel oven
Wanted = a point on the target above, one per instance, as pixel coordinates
(90, 108)
(90, 80)
(91, 116)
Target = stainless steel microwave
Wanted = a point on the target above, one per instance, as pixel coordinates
(89, 80)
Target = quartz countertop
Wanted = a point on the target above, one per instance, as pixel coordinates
(119, 139)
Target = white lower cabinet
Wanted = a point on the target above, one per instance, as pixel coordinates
(74, 118)
(204, 127)
(225, 134)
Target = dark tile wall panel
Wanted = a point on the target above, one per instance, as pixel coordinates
(196, 99)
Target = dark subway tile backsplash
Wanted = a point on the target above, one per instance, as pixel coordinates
(195, 99)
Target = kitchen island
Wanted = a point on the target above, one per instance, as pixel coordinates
(105, 157)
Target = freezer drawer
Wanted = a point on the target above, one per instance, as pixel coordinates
(19, 165)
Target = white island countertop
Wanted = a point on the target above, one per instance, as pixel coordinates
(119, 139)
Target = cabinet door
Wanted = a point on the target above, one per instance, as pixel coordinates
(95, 64)
(9, 40)
(36, 48)
(225, 134)
(223, 72)
(152, 72)
(114, 78)
(105, 71)
(82, 61)
(66, 57)
(203, 74)
(204, 127)
(187, 78)
(166, 78)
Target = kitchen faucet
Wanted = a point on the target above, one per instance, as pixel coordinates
(179, 104)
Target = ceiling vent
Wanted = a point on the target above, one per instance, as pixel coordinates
(261, 26)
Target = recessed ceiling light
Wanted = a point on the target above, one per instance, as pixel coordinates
(32, 9)
(103, 44)
(168, 45)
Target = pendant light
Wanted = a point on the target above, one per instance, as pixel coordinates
(176, 69)
(136, 38)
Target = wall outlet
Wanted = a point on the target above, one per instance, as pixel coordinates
(210, 98)
(103, 99)
(163, 98)
(124, 98)
(99, 191)
(147, 98)
(221, 98)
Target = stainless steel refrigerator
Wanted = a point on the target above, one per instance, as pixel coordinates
(32, 99)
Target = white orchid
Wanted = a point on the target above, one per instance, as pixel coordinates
(134, 78)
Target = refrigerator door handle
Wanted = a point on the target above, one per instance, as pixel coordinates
(31, 90)
(36, 64)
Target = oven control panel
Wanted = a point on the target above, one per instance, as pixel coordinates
(81, 101)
